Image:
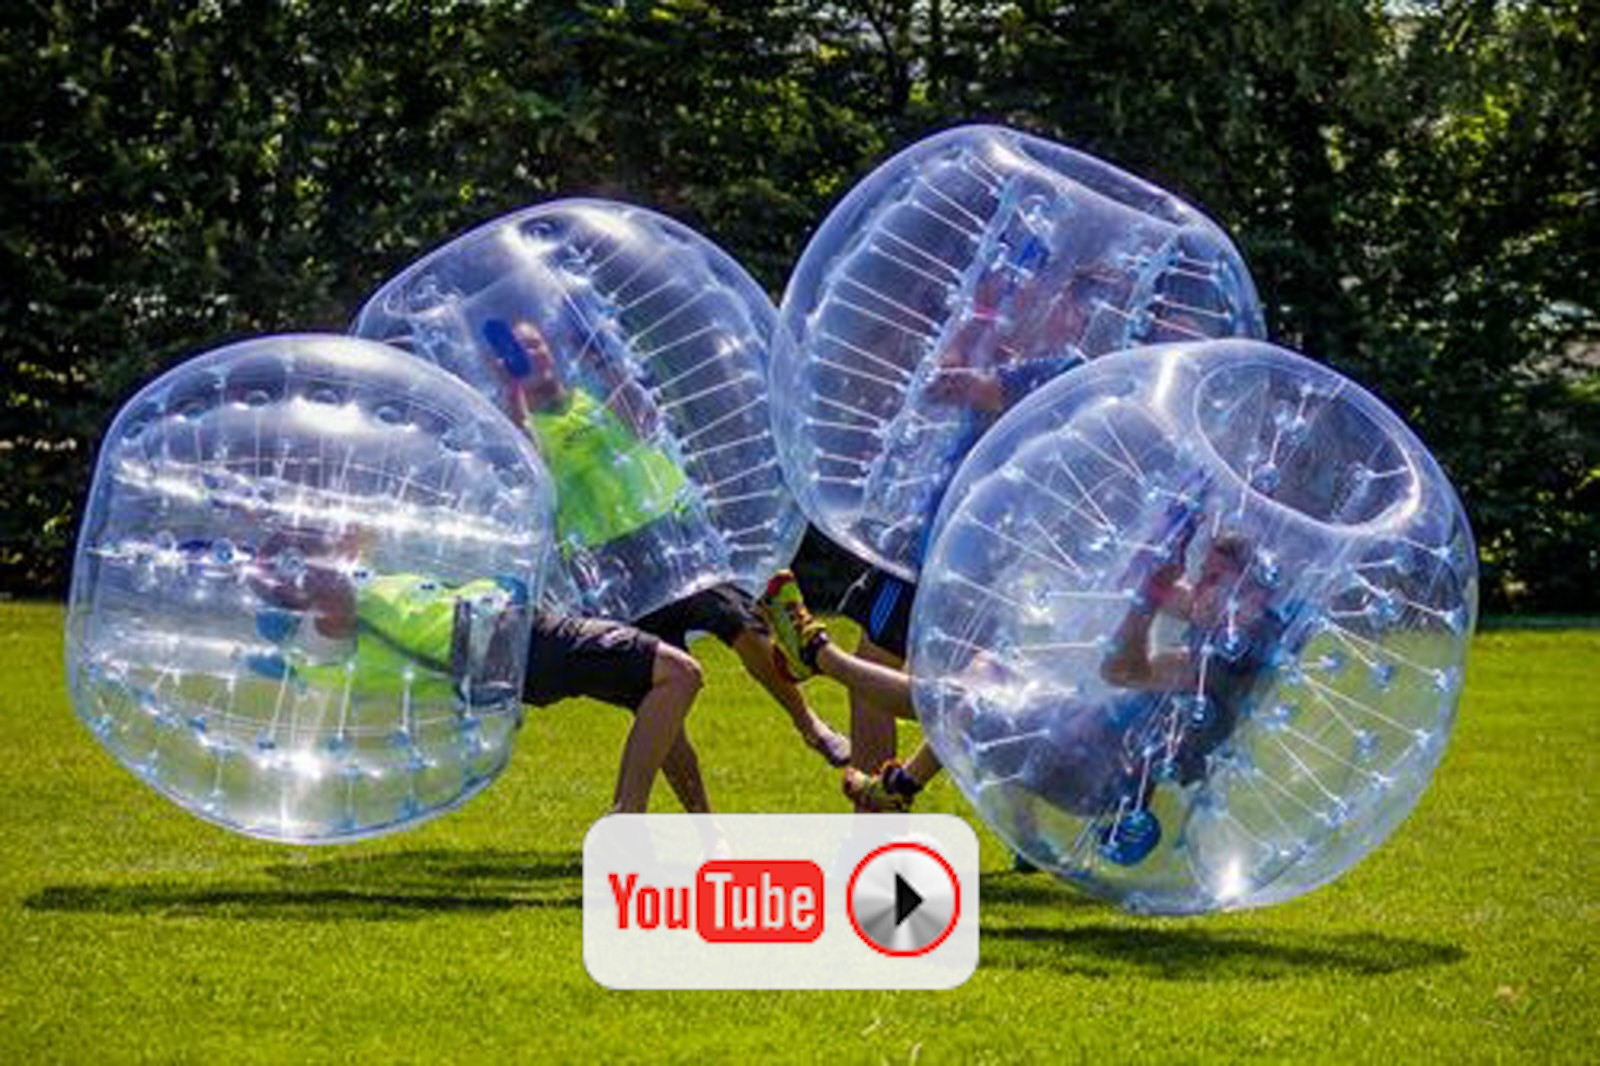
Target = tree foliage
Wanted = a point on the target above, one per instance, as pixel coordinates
(1415, 186)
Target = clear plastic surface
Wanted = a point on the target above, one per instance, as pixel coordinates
(948, 284)
(1192, 630)
(300, 605)
(634, 353)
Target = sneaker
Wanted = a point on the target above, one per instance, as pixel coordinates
(830, 745)
(794, 629)
(869, 793)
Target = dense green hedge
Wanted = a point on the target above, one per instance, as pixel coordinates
(1415, 186)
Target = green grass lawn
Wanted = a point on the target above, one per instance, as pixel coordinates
(131, 930)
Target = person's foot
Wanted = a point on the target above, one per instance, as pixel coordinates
(869, 792)
(825, 742)
(796, 633)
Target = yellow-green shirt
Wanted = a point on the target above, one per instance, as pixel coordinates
(608, 482)
(405, 628)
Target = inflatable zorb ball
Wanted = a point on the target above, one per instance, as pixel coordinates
(301, 601)
(634, 353)
(1192, 630)
(954, 279)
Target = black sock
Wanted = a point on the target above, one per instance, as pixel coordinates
(808, 654)
(896, 780)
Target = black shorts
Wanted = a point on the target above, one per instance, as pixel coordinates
(724, 611)
(593, 657)
(880, 604)
(666, 553)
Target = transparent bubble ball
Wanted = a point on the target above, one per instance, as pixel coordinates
(948, 284)
(300, 604)
(1192, 631)
(634, 353)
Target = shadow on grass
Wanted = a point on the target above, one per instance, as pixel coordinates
(447, 869)
(1204, 955)
(1032, 890)
(397, 886)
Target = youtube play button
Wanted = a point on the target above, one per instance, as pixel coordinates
(904, 899)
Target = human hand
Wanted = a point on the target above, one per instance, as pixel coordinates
(1160, 582)
(966, 387)
(632, 402)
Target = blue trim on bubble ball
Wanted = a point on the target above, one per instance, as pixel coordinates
(516, 588)
(1130, 840)
(274, 667)
(276, 625)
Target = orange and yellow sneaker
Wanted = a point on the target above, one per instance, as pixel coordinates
(796, 632)
(871, 792)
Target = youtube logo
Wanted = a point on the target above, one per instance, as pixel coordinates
(763, 902)
(780, 901)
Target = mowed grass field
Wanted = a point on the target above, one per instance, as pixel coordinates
(130, 930)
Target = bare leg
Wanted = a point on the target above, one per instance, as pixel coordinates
(923, 764)
(880, 692)
(883, 686)
(890, 790)
(872, 730)
(682, 771)
(755, 651)
(657, 727)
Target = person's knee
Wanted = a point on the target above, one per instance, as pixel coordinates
(752, 646)
(679, 673)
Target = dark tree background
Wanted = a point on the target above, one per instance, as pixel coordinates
(1415, 185)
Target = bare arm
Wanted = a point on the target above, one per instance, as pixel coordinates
(632, 402)
(517, 402)
(1168, 671)
(625, 397)
(1130, 663)
(961, 386)
(324, 593)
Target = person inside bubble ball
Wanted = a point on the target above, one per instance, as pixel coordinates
(617, 489)
(341, 627)
(1102, 761)
(1030, 328)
